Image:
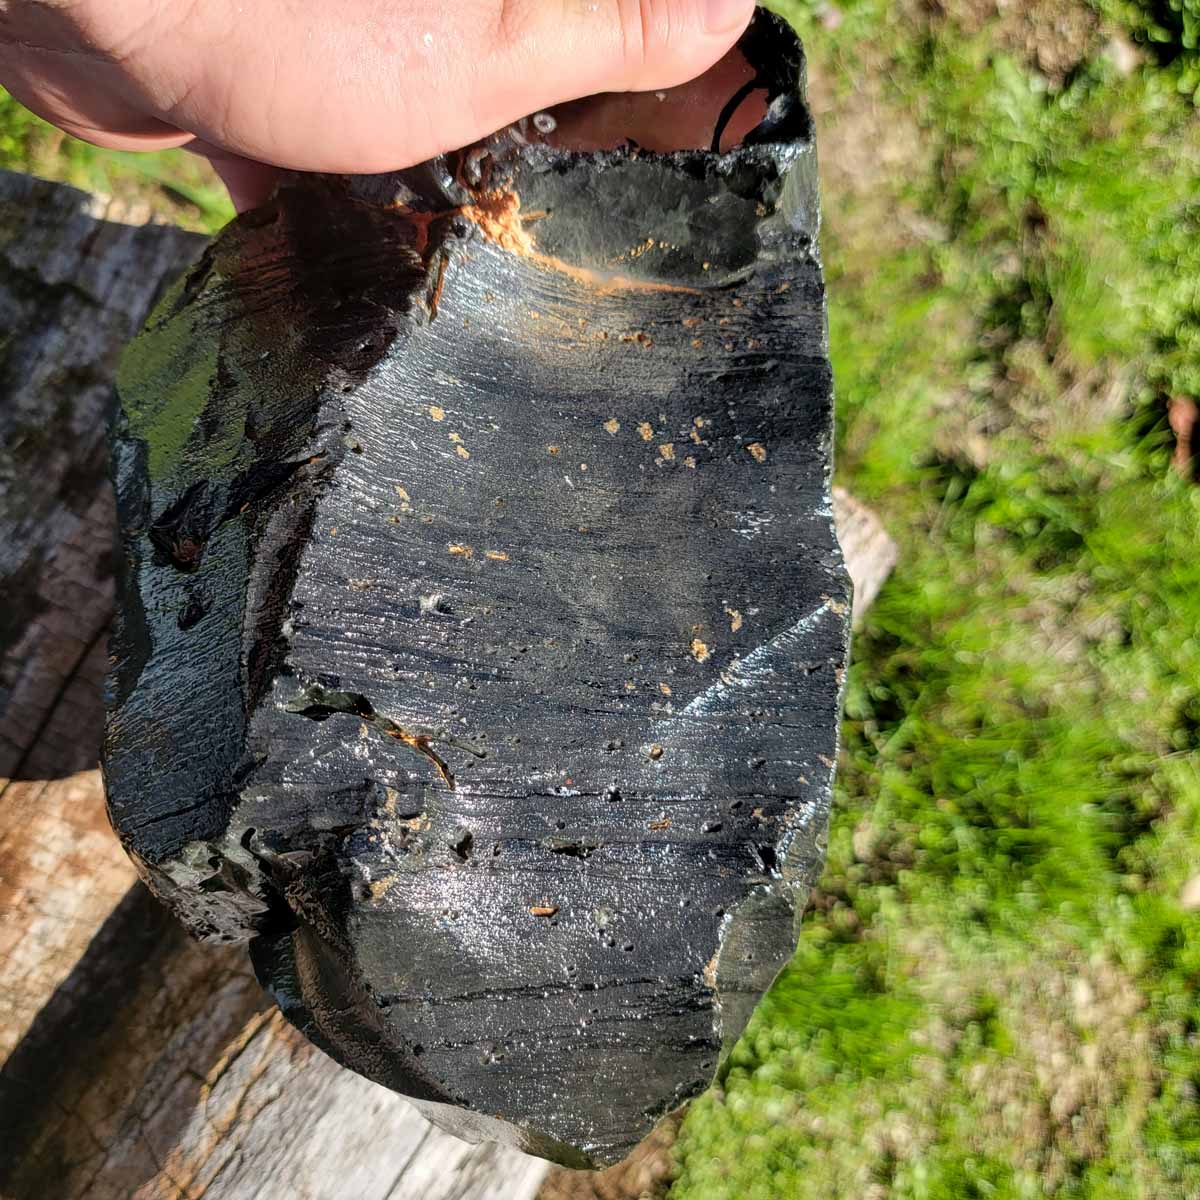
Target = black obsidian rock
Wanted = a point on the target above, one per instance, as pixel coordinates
(483, 623)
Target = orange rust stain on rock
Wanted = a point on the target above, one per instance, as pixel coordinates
(420, 743)
(498, 216)
(379, 887)
(701, 652)
(637, 251)
(605, 284)
(435, 296)
(420, 222)
(612, 425)
(836, 606)
(646, 430)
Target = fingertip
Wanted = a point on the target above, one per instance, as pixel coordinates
(155, 136)
(666, 43)
(249, 183)
(727, 18)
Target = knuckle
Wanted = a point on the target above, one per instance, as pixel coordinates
(636, 20)
(515, 21)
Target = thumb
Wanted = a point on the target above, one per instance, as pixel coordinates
(622, 45)
(249, 183)
(359, 86)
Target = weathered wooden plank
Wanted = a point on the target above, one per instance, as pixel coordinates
(645, 1174)
(61, 874)
(159, 1070)
(75, 286)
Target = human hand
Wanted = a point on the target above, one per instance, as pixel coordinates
(347, 86)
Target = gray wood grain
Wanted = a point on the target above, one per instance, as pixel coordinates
(74, 287)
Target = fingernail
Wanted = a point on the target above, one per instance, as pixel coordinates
(720, 16)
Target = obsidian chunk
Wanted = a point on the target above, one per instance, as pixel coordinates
(483, 624)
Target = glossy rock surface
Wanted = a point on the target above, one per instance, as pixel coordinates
(483, 623)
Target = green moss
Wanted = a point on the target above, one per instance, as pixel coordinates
(173, 184)
(165, 382)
